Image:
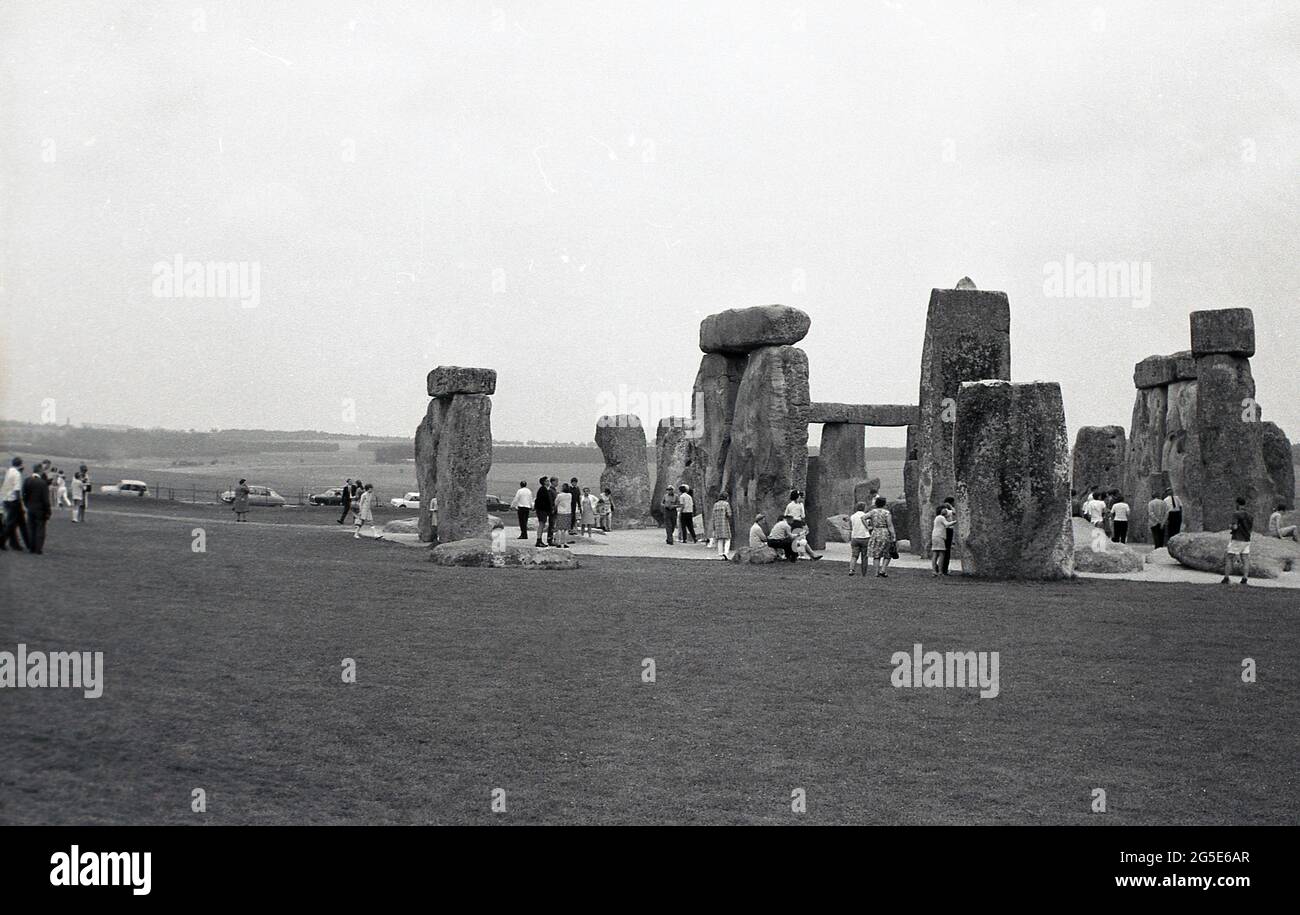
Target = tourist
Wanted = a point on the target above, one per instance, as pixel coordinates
(795, 509)
(36, 507)
(1156, 510)
(61, 499)
(668, 505)
(366, 513)
(588, 511)
(564, 516)
(881, 536)
(239, 505)
(939, 540)
(757, 536)
(550, 522)
(799, 531)
(11, 498)
(433, 516)
(1119, 510)
(543, 506)
(1239, 543)
(576, 491)
(859, 536)
(781, 538)
(605, 510)
(721, 523)
(949, 512)
(85, 490)
(686, 512)
(1094, 509)
(345, 496)
(78, 498)
(1277, 529)
(1173, 515)
(522, 503)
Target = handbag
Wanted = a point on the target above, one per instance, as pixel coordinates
(893, 549)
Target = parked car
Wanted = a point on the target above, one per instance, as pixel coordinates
(496, 505)
(125, 488)
(410, 500)
(328, 497)
(257, 495)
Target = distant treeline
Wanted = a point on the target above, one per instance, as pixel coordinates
(114, 444)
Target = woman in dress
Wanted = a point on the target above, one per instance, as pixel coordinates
(722, 525)
(880, 528)
(563, 515)
(365, 513)
(240, 506)
(588, 512)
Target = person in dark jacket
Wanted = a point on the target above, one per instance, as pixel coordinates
(543, 508)
(36, 504)
(345, 496)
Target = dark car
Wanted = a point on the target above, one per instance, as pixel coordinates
(496, 505)
(328, 497)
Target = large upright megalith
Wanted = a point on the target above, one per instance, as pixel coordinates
(1143, 457)
(453, 453)
(769, 433)
(673, 456)
(842, 466)
(1279, 463)
(1011, 459)
(713, 405)
(621, 440)
(1231, 441)
(1099, 458)
(967, 338)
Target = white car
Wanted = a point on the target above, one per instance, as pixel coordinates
(125, 488)
(410, 500)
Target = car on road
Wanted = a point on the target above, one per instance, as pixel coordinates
(257, 495)
(410, 500)
(125, 488)
(328, 497)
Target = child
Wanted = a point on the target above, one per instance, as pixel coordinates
(939, 540)
(605, 510)
(588, 512)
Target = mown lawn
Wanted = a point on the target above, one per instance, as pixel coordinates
(223, 673)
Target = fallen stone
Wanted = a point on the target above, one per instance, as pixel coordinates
(621, 440)
(1204, 550)
(740, 330)
(449, 380)
(1011, 459)
(754, 555)
(403, 526)
(1100, 455)
(863, 414)
(480, 554)
(1223, 330)
(1095, 552)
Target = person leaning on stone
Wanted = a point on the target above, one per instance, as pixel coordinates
(1282, 531)
(1239, 543)
(668, 504)
(1156, 509)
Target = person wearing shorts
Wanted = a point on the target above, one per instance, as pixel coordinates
(859, 537)
(1239, 544)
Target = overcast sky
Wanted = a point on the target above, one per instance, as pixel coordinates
(561, 191)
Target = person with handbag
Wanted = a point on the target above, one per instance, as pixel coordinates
(881, 537)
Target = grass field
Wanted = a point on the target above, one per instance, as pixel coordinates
(222, 672)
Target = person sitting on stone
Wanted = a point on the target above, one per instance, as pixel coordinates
(781, 539)
(801, 546)
(757, 536)
(1277, 529)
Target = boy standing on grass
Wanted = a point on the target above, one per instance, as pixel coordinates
(1239, 543)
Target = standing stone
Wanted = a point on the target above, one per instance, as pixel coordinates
(768, 456)
(1181, 460)
(967, 338)
(866, 492)
(813, 511)
(842, 467)
(1011, 459)
(1279, 463)
(453, 453)
(672, 460)
(1232, 448)
(1100, 457)
(1146, 444)
(621, 440)
(713, 406)
(739, 330)
(911, 493)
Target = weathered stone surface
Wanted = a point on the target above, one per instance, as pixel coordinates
(1181, 458)
(449, 380)
(903, 520)
(1204, 550)
(1279, 463)
(672, 460)
(453, 452)
(479, 554)
(621, 440)
(866, 491)
(911, 492)
(1153, 371)
(1011, 459)
(839, 528)
(1100, 454)
(842, 467)
(1146, 443)
(1095, 552)
(1232, 448)
(768, 456)
(739, 330)
(1223, 330)
(813, 511)
(403, 526)
(754, 555)
(967, 338)
(872, 414)
(713, 405)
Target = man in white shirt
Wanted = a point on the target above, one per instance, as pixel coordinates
(859, 536)
(11, 500)
(686, 514)
(1119, 520)
(781, 538)
(1095, 510)
(522, 503)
